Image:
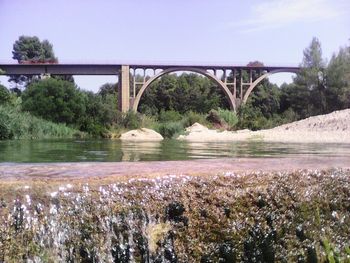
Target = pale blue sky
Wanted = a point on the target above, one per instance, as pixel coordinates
(197, 31)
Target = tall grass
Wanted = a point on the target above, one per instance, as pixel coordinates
(15, 124)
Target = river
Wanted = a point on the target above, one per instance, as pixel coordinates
(73, 150)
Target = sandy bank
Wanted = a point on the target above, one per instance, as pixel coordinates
(329, 128)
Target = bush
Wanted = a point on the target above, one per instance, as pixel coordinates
(229, 117)
(169, 116)
(131, 120)
(5, 132)
(15, 124)
(5, 96)
(214, 118)
(170, 129)
(54, 100)
(193, 117)
(223, 118)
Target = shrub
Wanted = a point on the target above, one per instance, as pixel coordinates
(170, 129)
(54, 100)
(229, 117)
(193, 117)
(5, 96)
(214, 118)
(169, 116)
(223, 118)
(15, 124)
(131, 120)
(5, 132)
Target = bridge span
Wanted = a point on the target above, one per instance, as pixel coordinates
(236, 81)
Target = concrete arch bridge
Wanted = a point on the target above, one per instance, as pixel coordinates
(229, 78)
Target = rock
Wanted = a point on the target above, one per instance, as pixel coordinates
(196, 127)
(142, 134)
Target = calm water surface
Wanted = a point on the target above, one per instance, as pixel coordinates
(33, 151)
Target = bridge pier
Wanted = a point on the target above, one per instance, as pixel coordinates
(124, 88)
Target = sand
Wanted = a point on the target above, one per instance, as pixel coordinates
(329, 128)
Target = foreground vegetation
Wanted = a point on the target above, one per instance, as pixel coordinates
(174, 102)
(300, 216)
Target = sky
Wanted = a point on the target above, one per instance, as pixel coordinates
(193, 31)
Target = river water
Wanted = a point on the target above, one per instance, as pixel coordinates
(73, 150)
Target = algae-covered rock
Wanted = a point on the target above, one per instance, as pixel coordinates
(142, 134)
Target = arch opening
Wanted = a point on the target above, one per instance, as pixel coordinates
(202, 72)
(263, 77)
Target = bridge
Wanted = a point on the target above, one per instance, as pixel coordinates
(130, 89)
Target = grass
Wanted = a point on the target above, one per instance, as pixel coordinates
(15, 124)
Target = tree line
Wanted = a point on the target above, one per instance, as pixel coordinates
(318, 88)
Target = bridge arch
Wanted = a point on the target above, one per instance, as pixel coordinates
(221, 84)
(262, 77)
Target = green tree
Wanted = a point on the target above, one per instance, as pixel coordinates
(311, 78)
(338, 80)
(184, 93)
(5, 96)
(29, 49)
(55, 100)
(108, 89)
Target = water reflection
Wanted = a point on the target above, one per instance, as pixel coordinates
(134, 151)
(115, 150)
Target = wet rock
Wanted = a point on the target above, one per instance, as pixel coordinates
(174, 212)
(300, 232)
(121, 254)
(141, 252)
(259, 246)
(227, 212)
(206, 259)
(167, 251)
(18, 215)
(203, 213)
(270, 217)
(261, 202)
(311, 255)
(227, 253)
(85, 256)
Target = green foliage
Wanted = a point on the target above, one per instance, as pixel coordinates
(192, 117)
(22, 125)
(229, 117)
(170, 129)
(131, 120)
(338, 81)
(214, 118)
(250, 118)
(108, 89)
(5, 96)
(222, 118)
(184, 93)
(168, 116)
(30, 49)
(55, 100)
(311, 79)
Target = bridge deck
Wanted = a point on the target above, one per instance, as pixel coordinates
(113, 69)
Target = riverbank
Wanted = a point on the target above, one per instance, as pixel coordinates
(197, 211)
(329, 128)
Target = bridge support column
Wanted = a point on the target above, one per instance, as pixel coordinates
(124, 89)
